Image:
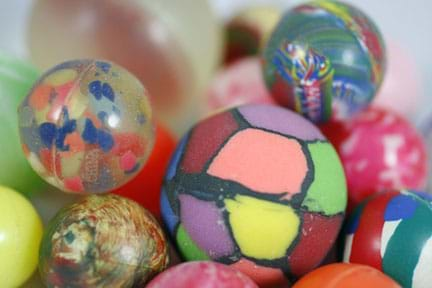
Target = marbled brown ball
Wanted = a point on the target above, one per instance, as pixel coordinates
(102, 241)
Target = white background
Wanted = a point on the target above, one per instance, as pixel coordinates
(407, 22)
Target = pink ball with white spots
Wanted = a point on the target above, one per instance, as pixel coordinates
(238, 83)
(379, 150)
(201, 274)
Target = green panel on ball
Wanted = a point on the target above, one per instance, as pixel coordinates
(188, 249)
(328, 176)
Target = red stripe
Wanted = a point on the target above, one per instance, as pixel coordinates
(366, 244)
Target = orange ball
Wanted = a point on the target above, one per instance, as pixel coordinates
(145, 187)
(343, 275)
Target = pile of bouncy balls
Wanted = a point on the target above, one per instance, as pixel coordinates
(285, 174)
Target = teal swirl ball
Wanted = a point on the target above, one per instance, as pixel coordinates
(324, 58)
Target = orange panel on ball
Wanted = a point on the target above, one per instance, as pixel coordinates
(247, 155)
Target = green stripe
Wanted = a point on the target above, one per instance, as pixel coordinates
(405, 246)
(188, 248)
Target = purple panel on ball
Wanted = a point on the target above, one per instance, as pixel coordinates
(280, 120)
(205, 224)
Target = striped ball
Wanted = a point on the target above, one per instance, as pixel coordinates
(392, 232)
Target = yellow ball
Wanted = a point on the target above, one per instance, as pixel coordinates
(20, 236)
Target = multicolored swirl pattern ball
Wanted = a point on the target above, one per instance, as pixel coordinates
(392, 232)
(255, 187)
(324, 58)
(102, 241)
(86, 126)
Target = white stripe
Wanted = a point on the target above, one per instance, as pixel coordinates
(422, 276)
(387, 232)
(348, 245)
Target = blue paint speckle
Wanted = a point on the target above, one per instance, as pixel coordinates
(105, 140)
(47, 132)
(400, 207)
(104, 66)
(102, 116)
(95, 88)
(141, 119)
(353, 224)
(68, 127)
(90, 132)
(92, 135)
(108, 92)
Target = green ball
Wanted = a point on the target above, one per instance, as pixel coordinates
(16, 79)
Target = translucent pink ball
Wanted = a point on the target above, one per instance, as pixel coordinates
(238, 83)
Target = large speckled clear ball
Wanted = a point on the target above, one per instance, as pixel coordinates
(86, 126)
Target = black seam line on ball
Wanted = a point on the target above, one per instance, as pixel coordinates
(200, 177)
(193, 184)
(242, 125)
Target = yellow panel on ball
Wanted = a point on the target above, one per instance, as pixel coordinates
(269, 225)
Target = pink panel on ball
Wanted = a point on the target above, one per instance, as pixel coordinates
(262, 161)
(205, 140)
(237, 84)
